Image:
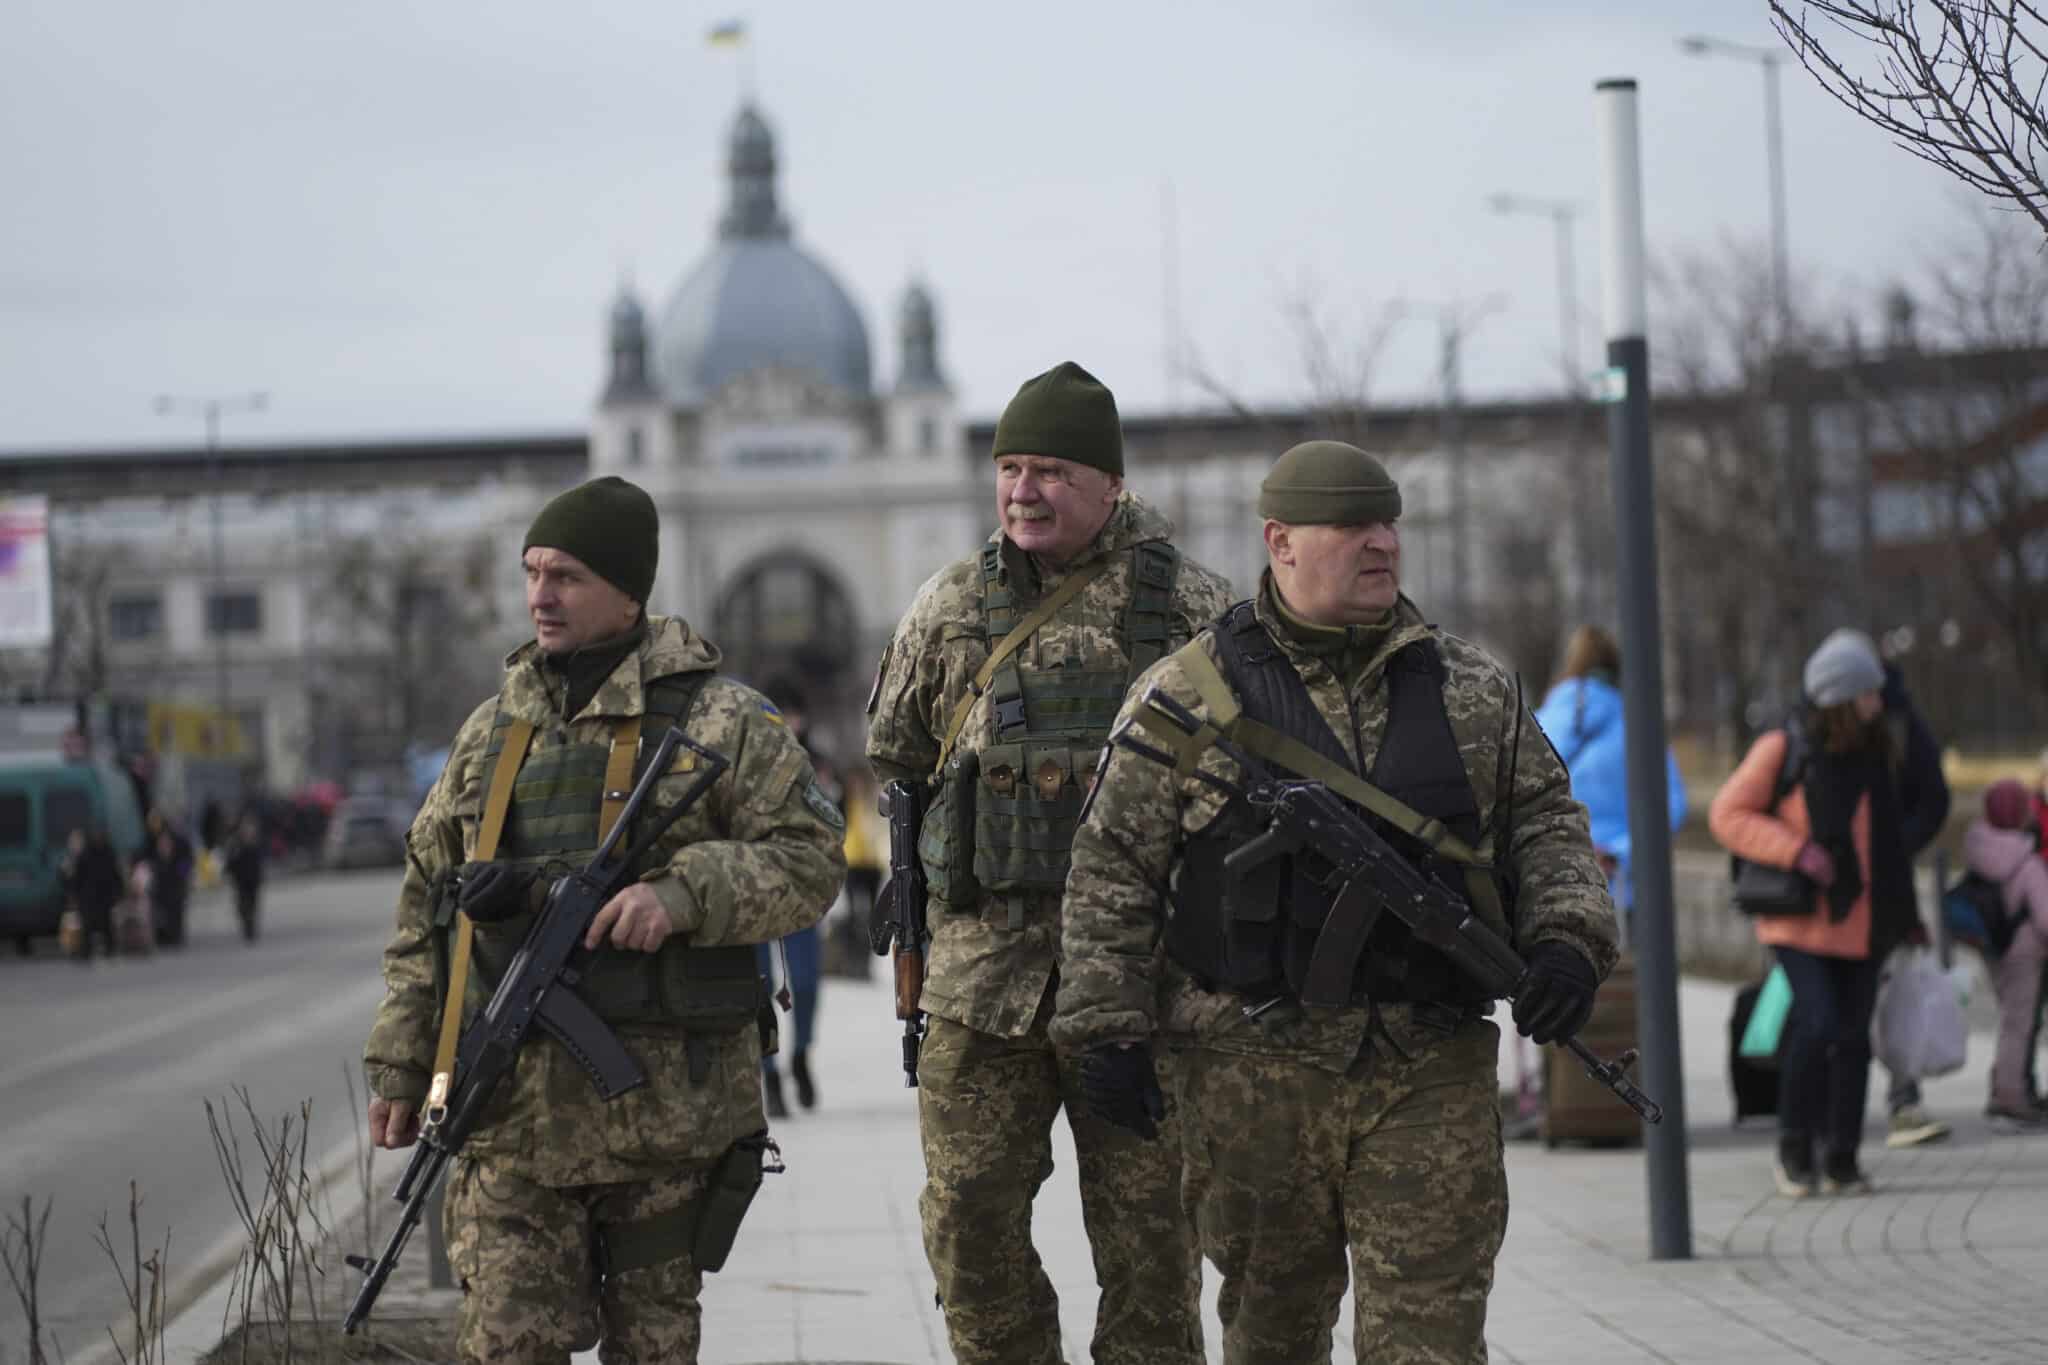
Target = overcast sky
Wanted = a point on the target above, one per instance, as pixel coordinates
(410, 218)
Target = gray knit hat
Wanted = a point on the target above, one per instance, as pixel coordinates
(1843, 668)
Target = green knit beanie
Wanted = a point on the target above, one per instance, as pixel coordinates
(609, 524)
(1063, 414)
(1329, 483)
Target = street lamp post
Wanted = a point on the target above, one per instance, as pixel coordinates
(1770, 59)
(212, 409)
(1456, 322)
(1563, 215)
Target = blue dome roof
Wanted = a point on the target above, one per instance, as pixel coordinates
(755, 302)
(758, 299)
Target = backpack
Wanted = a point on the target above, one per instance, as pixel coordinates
(1974, 910)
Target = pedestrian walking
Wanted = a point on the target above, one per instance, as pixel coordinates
(1821, 796)
(244, 857)
(170, 881)
(999, 687)
(572, 1220)
(1582, 715)
(1369, 1128)
(801, 975)
(2001, 846)
(93, 884)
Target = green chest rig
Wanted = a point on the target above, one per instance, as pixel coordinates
(1004, 817)
(552, 824)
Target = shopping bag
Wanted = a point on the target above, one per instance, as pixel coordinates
(1918, 1027)
(1767, 1018)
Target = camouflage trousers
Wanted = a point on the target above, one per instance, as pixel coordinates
(1398, 1161)
(525, 1256)
(985, 1108)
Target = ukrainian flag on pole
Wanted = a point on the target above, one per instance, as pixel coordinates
(731, 33)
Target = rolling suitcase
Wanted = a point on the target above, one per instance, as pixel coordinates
(1753, 1080)
(1576, 1107)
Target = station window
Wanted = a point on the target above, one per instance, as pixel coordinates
(234, 613)
(139, 617)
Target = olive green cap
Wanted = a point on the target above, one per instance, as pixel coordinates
(609, 524)
(1064, 414)
(1329, 483)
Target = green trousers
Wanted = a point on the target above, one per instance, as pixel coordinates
(524, 1254)
(985, 1110)
(1398, 1164)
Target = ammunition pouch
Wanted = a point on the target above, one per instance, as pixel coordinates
(1255, 930)
(1228, 931)
(945, 844)
(1027, 808)
(678, 989)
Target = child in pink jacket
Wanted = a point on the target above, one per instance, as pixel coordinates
(2000, 847)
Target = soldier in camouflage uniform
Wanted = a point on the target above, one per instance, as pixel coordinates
(557, 1182)
(1370, 1127)
(1010, 739)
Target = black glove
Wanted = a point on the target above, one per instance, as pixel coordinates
(1556, 998)
(489, 892)
(1120, 1085)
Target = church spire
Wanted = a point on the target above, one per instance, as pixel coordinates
(918, 329)
(750, 164)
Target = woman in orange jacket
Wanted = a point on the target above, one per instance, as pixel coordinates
(1838, 824)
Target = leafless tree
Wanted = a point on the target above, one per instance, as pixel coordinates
(80, 575)
(1339, 349)
(411, 623)
(1958, 83)
(1735, 483)
(22, 1244)
(1959, 427)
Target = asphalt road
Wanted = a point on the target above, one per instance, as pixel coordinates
(105, 1068)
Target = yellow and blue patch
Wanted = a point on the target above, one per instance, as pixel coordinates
(772, 711)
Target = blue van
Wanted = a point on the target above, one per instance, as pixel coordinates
(41, 801)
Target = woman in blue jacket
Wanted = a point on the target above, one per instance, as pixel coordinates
(1582, 715)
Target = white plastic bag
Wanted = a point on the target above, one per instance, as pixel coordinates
(1918, 1029)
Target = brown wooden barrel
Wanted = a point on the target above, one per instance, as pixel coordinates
(1578, 1108)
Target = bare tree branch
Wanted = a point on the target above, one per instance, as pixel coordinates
(1966, 98)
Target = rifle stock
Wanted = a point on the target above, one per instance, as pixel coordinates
(490, 1042)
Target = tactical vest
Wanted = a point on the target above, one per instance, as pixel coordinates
(552, 827)
(1258, 935)
(1003, 818)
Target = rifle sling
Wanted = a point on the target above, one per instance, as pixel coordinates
(1010, 644)
(518, 735)
(1226, 719)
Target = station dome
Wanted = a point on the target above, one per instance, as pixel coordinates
(757, 299)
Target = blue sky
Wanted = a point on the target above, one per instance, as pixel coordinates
(409, 218)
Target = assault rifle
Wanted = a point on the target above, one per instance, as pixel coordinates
(1373, 878)
(900, 914)
(536, 990)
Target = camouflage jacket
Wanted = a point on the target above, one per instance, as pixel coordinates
(979, 972)
(758, 858)
(1130, 846)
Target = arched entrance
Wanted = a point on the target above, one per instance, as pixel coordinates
(785, 617)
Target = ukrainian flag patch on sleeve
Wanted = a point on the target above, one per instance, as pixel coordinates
(772, 711)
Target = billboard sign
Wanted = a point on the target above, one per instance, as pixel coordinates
(25, 573)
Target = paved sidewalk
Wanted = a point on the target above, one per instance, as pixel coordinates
(1943, 1263)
